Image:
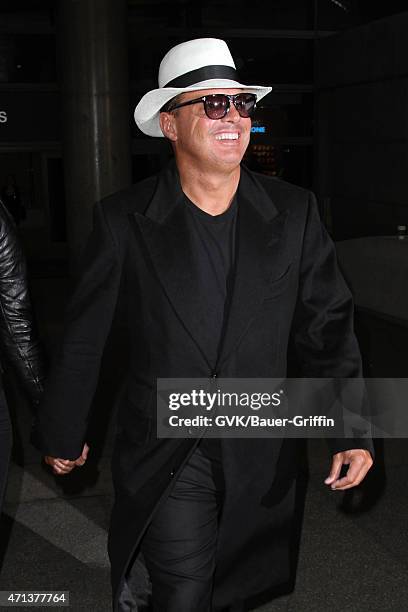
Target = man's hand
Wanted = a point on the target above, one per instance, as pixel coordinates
(359, 461)
(65, 466)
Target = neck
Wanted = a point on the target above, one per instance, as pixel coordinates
(211, 191)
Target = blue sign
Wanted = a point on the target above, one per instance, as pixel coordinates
(258, 129)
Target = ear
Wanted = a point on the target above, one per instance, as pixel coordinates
(168, 125)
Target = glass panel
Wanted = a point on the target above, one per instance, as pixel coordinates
(268, 61)
(282, 115)
(28, 59)
(293, 163)
(342, 14)
(274, 14)
(56, 195)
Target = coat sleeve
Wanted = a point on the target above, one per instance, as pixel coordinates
(20, 346)
(60, 428)
(323, 332)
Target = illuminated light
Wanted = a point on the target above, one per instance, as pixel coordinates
(258, 129)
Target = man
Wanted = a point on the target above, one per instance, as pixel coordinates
(218, 267)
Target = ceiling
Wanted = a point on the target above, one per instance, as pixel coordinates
(287, 14)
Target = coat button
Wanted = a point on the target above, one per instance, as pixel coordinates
(214, 375)
(172, 473)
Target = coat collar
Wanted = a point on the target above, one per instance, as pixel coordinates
(164, 229)
(168, 195)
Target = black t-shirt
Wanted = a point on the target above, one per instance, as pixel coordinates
(213, 240)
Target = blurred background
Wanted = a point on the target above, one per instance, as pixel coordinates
(71, 73)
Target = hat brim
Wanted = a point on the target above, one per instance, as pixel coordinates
(148, 109)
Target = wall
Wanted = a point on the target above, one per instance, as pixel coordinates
(362, 127)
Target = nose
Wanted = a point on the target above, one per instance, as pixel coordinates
(232, 115)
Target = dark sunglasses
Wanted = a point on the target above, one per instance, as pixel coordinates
(216, 106)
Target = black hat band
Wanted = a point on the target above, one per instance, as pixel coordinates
(203, 74)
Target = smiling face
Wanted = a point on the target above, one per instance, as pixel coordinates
(210, 145)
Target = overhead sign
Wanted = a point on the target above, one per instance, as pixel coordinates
(30, 116)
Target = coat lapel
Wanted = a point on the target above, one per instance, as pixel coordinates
(164, 230)
(260, 258)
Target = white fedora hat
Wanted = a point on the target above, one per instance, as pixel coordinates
(203, 63)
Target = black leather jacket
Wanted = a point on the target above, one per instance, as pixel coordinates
(19, 345)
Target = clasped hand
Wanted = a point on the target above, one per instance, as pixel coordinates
(65, 466)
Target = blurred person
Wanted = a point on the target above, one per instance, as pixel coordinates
(218, 267)
(19, 345)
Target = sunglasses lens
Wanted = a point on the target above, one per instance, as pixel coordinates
(245, 104)
(216, 106)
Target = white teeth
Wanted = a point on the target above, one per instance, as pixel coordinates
(227, 136)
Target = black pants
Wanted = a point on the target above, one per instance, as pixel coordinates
(179, 546)
(5, 443)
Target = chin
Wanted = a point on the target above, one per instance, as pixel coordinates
(226, 164)
(230, 157)
(232, 161)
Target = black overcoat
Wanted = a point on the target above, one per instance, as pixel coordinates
(287, 285)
